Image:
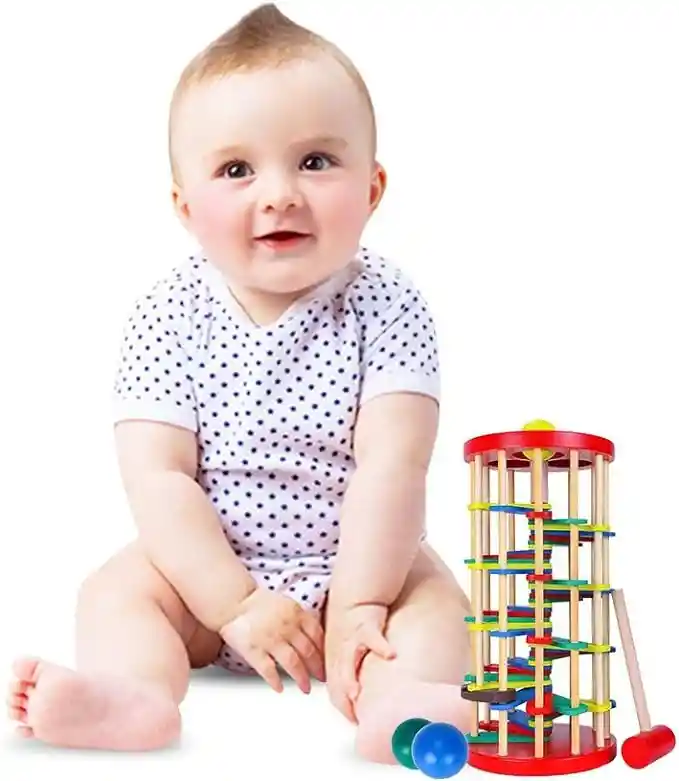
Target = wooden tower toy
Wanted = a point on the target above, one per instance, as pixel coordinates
(516, 709)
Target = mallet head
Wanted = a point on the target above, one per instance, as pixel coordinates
(641, 750)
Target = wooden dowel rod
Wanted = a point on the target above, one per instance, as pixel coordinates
(606, 600)
(511, 520)
(486, 590)
(597, 601)
(476, 586)
(592, 518)
(573, 562)
(502, 597)
(537, 494)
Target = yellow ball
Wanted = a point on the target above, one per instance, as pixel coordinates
(539, 425)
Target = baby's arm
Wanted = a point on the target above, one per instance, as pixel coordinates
(156, 410)
(383, 513)
(177, 523)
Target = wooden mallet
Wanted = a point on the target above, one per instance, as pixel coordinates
(652, 742)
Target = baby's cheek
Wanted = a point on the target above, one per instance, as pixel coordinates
(215, 215)
(345, 210)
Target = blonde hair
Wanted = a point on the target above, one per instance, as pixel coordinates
(264, 37)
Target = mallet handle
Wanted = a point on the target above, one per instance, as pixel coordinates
(633, 670)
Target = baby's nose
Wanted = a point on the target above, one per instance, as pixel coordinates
(280, 193)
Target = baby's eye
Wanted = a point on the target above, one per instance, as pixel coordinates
(236, 169)
(317, 162)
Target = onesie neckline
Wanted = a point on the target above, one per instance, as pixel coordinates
(324, 291)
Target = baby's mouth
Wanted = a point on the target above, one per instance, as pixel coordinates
(282, 235)
(282, 238)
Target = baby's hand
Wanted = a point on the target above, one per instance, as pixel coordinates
(271, 628)
(351, 634)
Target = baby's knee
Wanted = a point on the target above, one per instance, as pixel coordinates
(121, 576)
(95, 586)
(431, 638)
(450, 597)
(96, 594)
(438, 612)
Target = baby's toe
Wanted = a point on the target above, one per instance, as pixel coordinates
(16, 699)
(20, 688)
(17, 714)
(16, 706)
(26, 669)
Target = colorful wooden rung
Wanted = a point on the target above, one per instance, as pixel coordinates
(564, 644)
(490, 730)
(490, 623)
(579, 584)
(583, 535)
(522, 719)
(518, 612)
(515, 555)
(491, 681)
(513, 728)
(494, 668)
(564, 706)
(598, 707)
(514, 508)
(523, 697)
(557, 527)
(510, 566)
(528, 571)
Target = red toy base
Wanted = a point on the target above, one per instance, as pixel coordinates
(557, 761)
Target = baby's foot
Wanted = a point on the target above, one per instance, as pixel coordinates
(379, 713)
(66, 708)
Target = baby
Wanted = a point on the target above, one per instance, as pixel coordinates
(276, 410)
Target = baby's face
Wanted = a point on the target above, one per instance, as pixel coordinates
(278, 176)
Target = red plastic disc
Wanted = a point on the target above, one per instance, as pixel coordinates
(557, 760)
(560, 443)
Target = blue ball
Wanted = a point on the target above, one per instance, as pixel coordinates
(440, 750)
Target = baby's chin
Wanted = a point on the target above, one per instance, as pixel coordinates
(281, 287)
(289, 278)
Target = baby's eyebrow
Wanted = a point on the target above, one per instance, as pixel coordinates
(224, 151)
(335, 141)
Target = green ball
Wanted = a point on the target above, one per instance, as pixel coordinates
(402, 740)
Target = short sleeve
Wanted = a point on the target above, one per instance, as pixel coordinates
(153, 379)
(401, 352)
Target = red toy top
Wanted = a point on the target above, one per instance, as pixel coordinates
(559, 443)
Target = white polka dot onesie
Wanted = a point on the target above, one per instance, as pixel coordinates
(273, 407)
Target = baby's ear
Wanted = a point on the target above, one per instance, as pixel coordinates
(378, 185)
(180, 206)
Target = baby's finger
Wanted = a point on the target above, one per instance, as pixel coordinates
(263, 664)
(313, 630)
(340, 700)
(373, 640)
(286, 655)
(347, 668)
(310, 654)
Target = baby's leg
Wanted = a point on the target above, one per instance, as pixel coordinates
(132, 664)
(426, 628)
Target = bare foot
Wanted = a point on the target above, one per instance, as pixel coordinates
(379, 713)
(66, 708)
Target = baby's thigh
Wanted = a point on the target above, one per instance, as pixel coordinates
(129, 578)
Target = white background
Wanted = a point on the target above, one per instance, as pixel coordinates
(533, 194)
